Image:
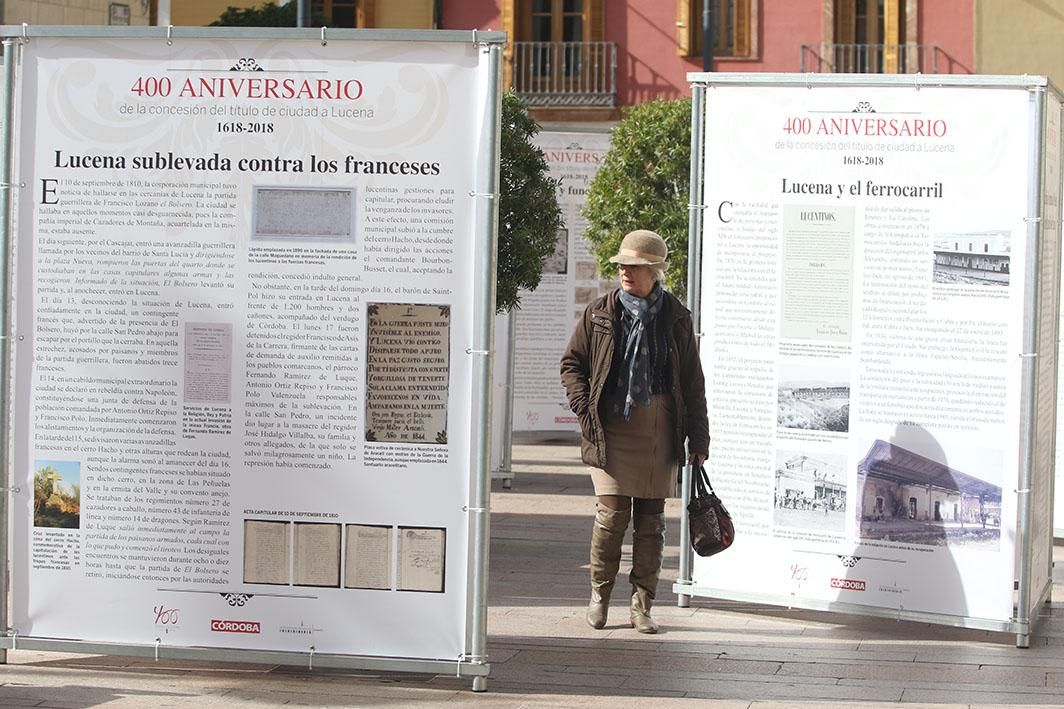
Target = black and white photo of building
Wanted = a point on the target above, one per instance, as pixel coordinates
(810, 491)
(976, 258)
(558, 262)
(814, 400)
(907, 497)
(298, 213)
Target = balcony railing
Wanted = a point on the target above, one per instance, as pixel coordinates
(875, 59)
(566, 73)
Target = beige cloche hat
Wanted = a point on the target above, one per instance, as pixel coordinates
(641, 247)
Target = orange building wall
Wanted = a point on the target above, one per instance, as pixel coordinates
(197, 13)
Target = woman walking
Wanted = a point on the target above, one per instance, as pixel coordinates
(632, 376)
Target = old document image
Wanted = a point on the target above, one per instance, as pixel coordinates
(317, 554)
(266, 554)
(421, 559)
(368, 557)
(304, 213)
(208, 362)
(407, 373)
(817, 273)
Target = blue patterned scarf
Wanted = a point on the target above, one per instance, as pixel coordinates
(633, 381)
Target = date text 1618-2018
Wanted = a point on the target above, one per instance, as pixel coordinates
(245, 127)
(862, 159)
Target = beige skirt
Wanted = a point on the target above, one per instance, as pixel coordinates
(639, 456)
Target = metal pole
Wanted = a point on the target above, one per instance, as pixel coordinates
(6, 186)
(694, 259)
(301, 13)
(506, 464)
(1028, 388)
(488, 220)
(707, 35)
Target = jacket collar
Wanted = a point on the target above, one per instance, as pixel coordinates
(608, 305)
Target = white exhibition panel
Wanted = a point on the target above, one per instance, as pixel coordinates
(570, 281)
(865, 257)
(246, 299)
(1054, 189)
(1036, 536)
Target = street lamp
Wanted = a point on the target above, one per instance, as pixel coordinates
(707, 35)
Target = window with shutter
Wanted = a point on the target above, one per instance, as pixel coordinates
(346, 13)
(733, 24)
(553, 21)
(870, 35)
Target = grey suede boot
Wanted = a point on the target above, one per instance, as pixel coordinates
(648, 548)
(606, 539)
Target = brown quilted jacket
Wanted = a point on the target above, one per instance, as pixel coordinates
(586, 363)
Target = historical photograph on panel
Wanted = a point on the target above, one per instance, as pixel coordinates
(407, 372)
(421, 559)
(813, 398)
(558, 262)
(208, 362)
(57, 494)
(810, 491)
(303, 213)
(368, 556)
(978, 258)
(584, 295)
(586, 271)
(317, 554)
(266, 546)
(917, 499)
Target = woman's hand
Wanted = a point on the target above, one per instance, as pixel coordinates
(696, 459)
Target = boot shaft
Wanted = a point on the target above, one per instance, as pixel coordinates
(607, 537)
(648, 550)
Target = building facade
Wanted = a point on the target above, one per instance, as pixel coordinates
(897, 485)
(565, 54)
(196, 13)
(397, 14)
(973, 257)
(804, 482)
(1020, 38)
(585, 59)
(76, 12)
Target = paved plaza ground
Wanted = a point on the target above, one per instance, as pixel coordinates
(714, 654)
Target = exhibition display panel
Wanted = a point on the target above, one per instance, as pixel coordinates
(570, 281)
(529, 396)
(254, 307)
(879, 307)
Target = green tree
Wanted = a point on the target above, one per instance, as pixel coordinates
(43, 486)
(529, 215)
(644, 183)
(268, 14)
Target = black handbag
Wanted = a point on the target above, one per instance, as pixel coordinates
(711, 526)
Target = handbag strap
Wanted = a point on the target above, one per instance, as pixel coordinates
(700, 483)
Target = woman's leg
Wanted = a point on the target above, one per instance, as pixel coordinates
(648, 549)
(619, 503)
(648, 506)
(611, 520)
